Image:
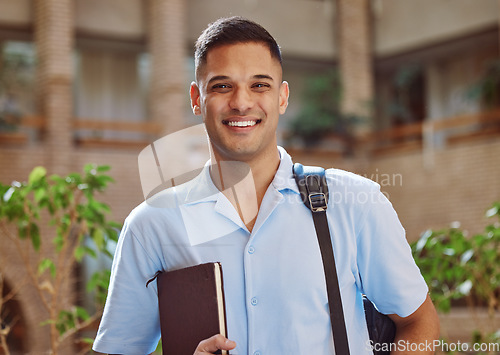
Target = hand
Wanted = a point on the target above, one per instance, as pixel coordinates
(211, 345)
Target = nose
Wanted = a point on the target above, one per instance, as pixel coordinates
(241, 100)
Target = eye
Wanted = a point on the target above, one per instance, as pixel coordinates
(261, 86)
(221, 87)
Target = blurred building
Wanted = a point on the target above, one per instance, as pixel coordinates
(96, 81)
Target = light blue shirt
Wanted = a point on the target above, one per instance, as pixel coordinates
(275, 291)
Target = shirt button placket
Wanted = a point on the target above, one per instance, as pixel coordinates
(254, 301)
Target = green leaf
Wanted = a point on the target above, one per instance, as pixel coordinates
(104, 207)
(92, 283)
(99, 239)
(465, 287)
(159, 348)
(35, 236)
(22, 226)
(37, 174)
(113, 233)
(83, 187)
(108, 253)
(493, 211)
(8, 194)
(103, 168)
(90, 169)
(104, 179)
(444, 305)
(66, 321)
(423, 240)
(115, 225)
(87, 341)
(99, 280)
(91, 252)
(47, 264)
(56, 179)
(82, 313)
(58, 241)
(79, 253)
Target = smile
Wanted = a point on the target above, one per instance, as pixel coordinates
(241, 123)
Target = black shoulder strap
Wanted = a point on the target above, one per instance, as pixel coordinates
(314, 192)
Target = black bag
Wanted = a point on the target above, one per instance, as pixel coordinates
(382, 330)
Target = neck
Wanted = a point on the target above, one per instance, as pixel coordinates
(245, 183)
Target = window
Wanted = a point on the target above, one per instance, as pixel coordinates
(17, 78)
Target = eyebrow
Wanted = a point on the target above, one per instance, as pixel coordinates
(263, 76)
(225, 77)
(217, 78)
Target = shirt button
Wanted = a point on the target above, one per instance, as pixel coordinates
(257, 353)
(251, 250)
(254, 301)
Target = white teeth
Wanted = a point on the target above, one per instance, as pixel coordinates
(241, 123)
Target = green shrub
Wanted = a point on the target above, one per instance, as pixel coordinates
(459, 268)
(75, 217)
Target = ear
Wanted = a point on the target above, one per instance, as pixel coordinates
(284, 93)
(194, 93)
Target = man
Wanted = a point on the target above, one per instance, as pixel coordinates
(263, 235)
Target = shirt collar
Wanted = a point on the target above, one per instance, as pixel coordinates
(202, 189)
(284, 180)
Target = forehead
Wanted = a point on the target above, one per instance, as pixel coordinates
(241, 59)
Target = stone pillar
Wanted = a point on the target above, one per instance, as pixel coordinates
(353, 27)
(54, 30)
(54, 34)
(168, 95)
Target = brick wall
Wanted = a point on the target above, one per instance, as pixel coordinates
(432, 189)
(54, 45)
(168, 55)
(353, 26)
(455, 184)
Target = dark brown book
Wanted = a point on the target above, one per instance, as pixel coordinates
(191, 303)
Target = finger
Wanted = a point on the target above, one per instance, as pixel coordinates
(212, 344)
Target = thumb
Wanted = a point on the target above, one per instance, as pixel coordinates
(217, 342)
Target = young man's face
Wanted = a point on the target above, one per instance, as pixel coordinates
(240, 95)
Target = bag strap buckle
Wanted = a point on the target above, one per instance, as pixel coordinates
(317, 201)
(312, 185)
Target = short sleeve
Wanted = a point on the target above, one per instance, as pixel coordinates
(130, 322)
(389, 276)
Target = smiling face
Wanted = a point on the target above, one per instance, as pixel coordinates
(240, 95)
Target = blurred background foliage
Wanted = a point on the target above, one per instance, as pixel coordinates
(16, 76)
(464, 270)
(77, 227)
(320, 112)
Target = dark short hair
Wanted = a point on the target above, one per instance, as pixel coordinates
(232, 30)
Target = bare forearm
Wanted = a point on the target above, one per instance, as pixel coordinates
(414, 340)
(417, 334)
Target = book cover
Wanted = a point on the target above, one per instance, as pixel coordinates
(191, 305)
